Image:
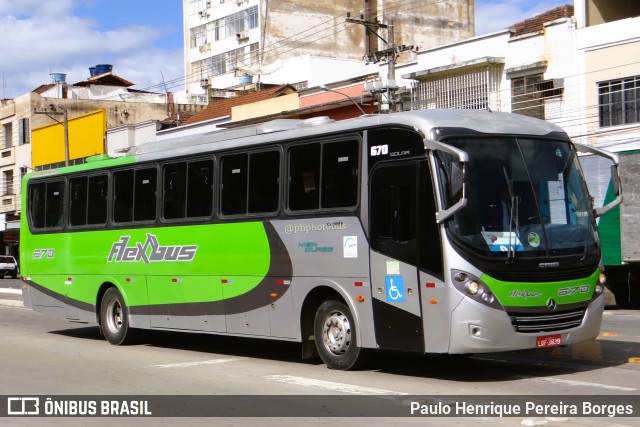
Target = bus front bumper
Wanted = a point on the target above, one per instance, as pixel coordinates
(476, 328)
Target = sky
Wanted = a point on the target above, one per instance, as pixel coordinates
(142, 39)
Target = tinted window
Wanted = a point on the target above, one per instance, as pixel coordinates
(97, 209)
(339, 174)
(37, 204)
(234, 184)
(46, 204)
(134, 195)
(55, 204)
(334, 185)
(304, 177)
(145, 194)
(175, 194)
(250, 183)
(264, 182)
(200, 188)
(78, 201)
(88, 200)
(123, 196)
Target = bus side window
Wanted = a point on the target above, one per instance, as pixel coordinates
(46, 204)
(97, 209)
(175, 194)
(264, 182)
(200, 189)
(78, 201)
(123, 196)
(55, 204)
(234, 184)
(145, 194)
(340, 174)
(37, 204)
(304, 176)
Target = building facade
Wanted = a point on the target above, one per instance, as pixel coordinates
(575, 65)
(47, 106)
(230, 42)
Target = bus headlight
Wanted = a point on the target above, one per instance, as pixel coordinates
(602, 280)
(474, 288)
(488, 297)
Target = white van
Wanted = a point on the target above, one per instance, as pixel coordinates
(8, 266)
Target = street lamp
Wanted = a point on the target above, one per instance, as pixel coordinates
(327, 88)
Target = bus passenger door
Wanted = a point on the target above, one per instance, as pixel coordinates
(393, 214)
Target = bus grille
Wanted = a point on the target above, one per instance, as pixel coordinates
(537, 322)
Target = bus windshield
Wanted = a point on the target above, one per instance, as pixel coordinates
(526, 198)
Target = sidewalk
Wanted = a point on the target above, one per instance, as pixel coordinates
(11, 297)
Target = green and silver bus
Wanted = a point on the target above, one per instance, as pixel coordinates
(435, 231)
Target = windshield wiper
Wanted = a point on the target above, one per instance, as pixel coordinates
(513, 217)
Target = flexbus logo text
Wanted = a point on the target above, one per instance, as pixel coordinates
(149, 251)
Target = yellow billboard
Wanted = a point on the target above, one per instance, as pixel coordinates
(86, 138)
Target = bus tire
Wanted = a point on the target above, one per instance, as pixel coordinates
(114, 318)
(335, 336)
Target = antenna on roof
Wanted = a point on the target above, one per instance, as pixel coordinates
(166, 94)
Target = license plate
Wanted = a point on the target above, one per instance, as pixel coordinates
(548, 341)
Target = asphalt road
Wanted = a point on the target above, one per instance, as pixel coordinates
(44, 356)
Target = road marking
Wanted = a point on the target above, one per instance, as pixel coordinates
(585, 384)
(327, 385)
(9, 303)
(633, 360)
(10, 291)
(190, 364)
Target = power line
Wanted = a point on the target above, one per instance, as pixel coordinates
(270, 52)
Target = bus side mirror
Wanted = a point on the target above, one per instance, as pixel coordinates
(615, 179)
(457, 180)
(615, 176)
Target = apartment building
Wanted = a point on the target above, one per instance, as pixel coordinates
(230, 43)
(47, 106)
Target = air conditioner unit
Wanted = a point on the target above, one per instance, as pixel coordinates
(203, 14)
(242, 36)
(204, 83)
(201, 48)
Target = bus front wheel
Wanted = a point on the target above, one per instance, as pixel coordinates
(114, 318)
(335, 335)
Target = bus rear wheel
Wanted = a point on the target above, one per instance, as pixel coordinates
(335, 335)
(114, 318)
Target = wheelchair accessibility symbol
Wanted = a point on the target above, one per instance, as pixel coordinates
(395, 288)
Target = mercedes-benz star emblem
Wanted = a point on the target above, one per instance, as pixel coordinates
(551, 304)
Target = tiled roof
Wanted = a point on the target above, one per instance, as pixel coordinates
(178, 118)
(108, 79)
(536, 23)
(223, 107)
(43, 88)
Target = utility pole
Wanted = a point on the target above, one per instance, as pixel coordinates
(390, 54)
(65, 125)
(391, 71)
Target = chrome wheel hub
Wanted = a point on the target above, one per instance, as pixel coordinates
(336, 333)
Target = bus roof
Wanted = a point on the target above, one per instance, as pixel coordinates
(424, 121)
(483, 121)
